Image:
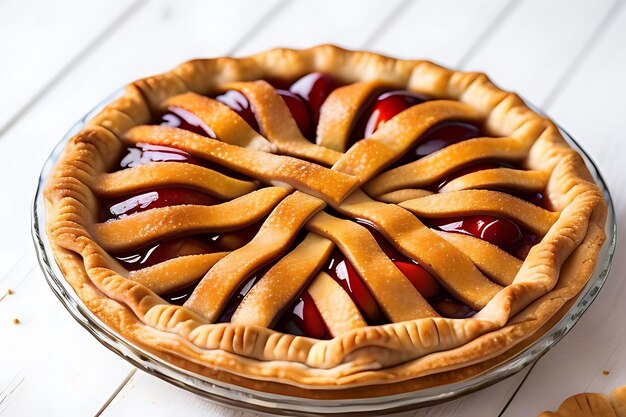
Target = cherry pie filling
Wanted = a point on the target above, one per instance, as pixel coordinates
(304, 99)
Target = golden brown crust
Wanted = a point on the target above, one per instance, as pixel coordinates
(383, 356)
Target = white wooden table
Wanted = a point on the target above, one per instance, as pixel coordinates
(58, 59)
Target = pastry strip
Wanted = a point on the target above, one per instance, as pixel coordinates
(313, 179)
(473, 202)
(227, 125)
(435, 166)
(398, 196)
(278, 125)
(454, 270)
(395, 294)
(336, 307)
(339, 113)
(282, 283)
(501, 178)
(176, 273)
(171, 174)
(167, 222)
(499, 265)
(273, 239)
(369, 156)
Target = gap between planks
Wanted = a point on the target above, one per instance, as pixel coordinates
(385, 24)
(489, 30)
(116, 392)
(579, 58)
(82, 54)
(269, 15)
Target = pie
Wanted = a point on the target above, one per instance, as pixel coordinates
(324, 223)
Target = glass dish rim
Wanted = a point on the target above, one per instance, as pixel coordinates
(233, 395)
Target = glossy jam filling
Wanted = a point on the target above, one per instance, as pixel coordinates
(344, 273)
(475, 167)
(423, 281)
(163, 251)
(144, 153)
(242, 290)
(240, 104)
(302, 318)
(304, 98)
(163, 197)
(314, 89)
(179, 296)
(504, 233)
(438, 137)
(183, 119)
(382, 107)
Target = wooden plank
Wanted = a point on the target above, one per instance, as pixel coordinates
(590, 107)
(349, 24)
(148, 395)
(440, 31)
(531, 50)
(48, 358)
(158, 398)
(63, 32)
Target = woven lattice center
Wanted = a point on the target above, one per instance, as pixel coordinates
(319, 214)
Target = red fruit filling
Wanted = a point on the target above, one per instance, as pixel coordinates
(422, 280)
(495, 230)
(300, 113)
(344, 273)
(381, 107)
(145, 153)
(304, 99)
(160, 252)
(125, 206)
(498, 231)
(183, 119)
(240, 104)
(438, 137)
(303, 318)
(314, 89)
(385, 107)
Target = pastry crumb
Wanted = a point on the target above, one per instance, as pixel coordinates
(605, 372)
(9, 291)
(16, 321)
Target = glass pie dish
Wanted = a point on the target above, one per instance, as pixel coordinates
(458, 382)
